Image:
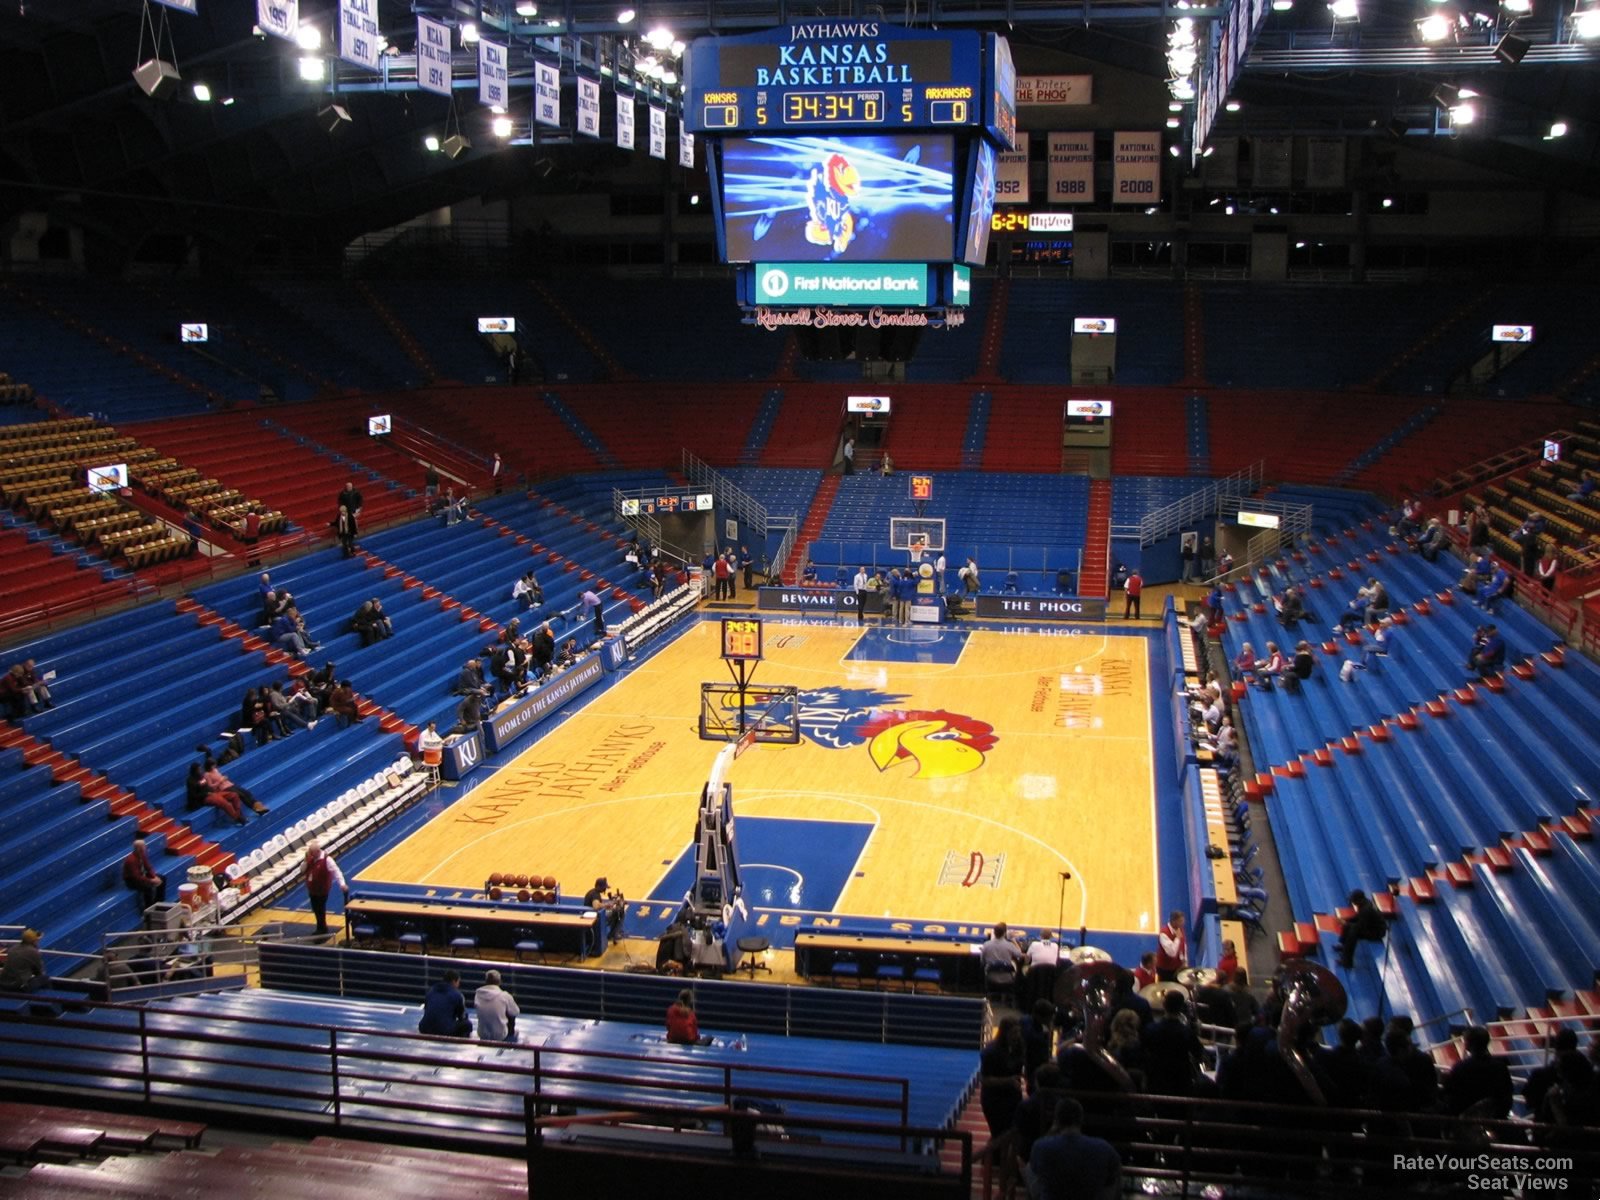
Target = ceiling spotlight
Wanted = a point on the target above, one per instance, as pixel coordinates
(527, 8)
(1233, 106)
(694, 198)
(1557, 129)
(469, 34)
(1174, 151)
(308, 37)
(1174, 106)
(202, 93)
(431, 144)
(1151, 211)
(1282, 5)
(1434, 28)
(1388, 201)
(1586, 24)
(669, 77)
(1520, 7)
(1228, 212)
(1463, 114)
(1345, 10)
(677, 48)
(659, 38)
(1208, 152)
(1173, 122)
(313, 69)
(227, 102)
(501, 126)
(626, 16)
(1299, 245)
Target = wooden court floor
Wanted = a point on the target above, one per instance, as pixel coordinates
(937, 781)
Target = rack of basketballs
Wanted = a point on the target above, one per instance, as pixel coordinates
(525, 889)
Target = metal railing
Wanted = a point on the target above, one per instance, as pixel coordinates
(146, 964)
(434, 1086)
(731, 498)
(1205, 502)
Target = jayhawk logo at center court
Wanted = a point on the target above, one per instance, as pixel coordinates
(937, 744)
(933, 744)
(828, 195)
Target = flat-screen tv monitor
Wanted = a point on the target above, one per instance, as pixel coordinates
(194, 331)
(112, 478)
(378, 426)
(1087, 412)
(1511, 333)
(980, 204)
(497, 324)
(849, 198)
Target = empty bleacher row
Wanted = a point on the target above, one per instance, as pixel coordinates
(1386, 783)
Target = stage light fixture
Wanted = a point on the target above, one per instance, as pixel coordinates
(431, 144)
(1434, 28)
(1233, 106)
(1345, 10)
(1282, 5)
(1174, 151)
(157, 78)
(313, 69)
(1557, 129)
(333, 118)
(1463, 114)
(308, 37)
(527, 9)
(1586, 24)
(1173, 122)
(469, 34)
(626, 16)
(1511, 49)
(501, 127)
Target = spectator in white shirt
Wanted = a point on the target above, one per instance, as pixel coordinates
(497, 1010)
(1044, 951)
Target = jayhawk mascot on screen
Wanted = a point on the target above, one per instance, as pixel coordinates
(828, 195)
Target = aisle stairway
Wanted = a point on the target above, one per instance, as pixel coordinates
(1094, 579)
(811, 527)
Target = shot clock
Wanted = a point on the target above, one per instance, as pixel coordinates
(741, 639)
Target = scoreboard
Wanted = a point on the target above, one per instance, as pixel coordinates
(855, 75)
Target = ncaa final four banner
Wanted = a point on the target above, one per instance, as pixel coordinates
(492, 89)
(1071, 168)
(358, 33)
(1136, 168)
(625, 116)
(589, 107)
(546, 94)
(685, 146)
(433, 56)
(279, 18)
(1011, 174)
(658, 132)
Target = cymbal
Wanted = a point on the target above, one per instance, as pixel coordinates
(1157, 993)
(1197, 977)
(1087, 954)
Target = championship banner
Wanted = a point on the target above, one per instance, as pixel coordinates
(279, 18)
(1071, 168)
(1222, 168)
(546, 94)
(492, 89)
(433, 56)
(588, 107)
(192, 7)
(658, 132)
(1325, 159)
(1136, 168)
(1055, 89)
(685, 146)
(1011, 174)
(624, 122)
(358, 33)
(1270, 158)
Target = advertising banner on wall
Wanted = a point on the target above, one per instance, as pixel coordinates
(1054, 89)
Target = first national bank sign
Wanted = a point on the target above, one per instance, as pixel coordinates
(790, 285)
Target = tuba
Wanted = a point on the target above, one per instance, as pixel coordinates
(1090, 988)
(1312, 997)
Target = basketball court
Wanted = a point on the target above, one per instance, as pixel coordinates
(942, 776)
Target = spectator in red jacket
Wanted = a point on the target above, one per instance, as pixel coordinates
(1172, 949)
(683, 1027)
(139, 876)
(1131, 590)
(321, 874)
